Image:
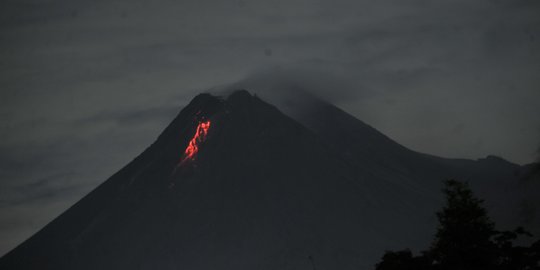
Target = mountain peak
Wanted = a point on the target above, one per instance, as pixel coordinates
(240, 94)
(259, 189)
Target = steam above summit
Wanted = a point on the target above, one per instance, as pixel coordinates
(236, 183)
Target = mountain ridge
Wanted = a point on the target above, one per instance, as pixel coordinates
(264, 190)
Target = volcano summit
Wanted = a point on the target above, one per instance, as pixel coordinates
(235, 183)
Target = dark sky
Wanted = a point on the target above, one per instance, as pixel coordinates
(85, 86)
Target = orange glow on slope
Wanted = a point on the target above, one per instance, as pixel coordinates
(199, 137)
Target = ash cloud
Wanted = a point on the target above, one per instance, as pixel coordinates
(280, 81)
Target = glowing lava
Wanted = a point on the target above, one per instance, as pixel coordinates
(199, 137)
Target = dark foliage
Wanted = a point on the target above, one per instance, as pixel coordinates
(466, 239)
(463, 239)
(404, 260)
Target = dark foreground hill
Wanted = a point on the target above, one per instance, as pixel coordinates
(235, 183)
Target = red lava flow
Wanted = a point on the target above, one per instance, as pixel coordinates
(199, 137)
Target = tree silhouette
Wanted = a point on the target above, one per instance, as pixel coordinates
(466, 239)
(463, 239)
(404, 260)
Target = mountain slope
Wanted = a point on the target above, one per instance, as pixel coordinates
(258, 190)
(492, 178)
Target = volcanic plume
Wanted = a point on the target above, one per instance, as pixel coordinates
(264, 190)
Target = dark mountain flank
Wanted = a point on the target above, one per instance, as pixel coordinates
(234, 183)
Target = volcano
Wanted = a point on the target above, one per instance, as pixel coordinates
(236, 183)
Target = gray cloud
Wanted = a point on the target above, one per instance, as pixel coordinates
(87, 85)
